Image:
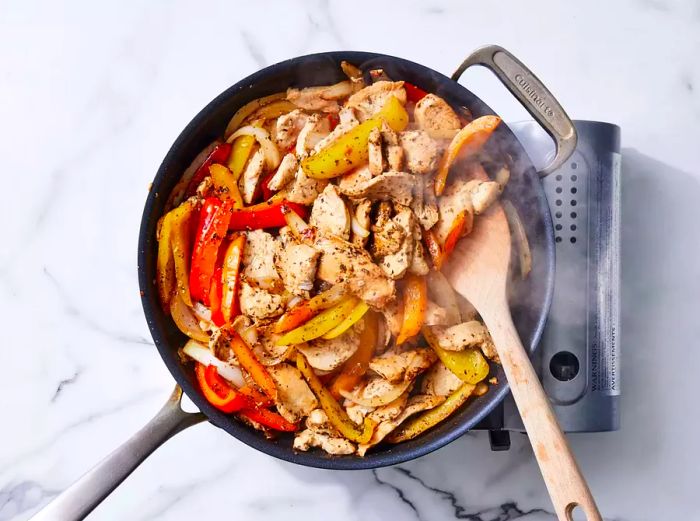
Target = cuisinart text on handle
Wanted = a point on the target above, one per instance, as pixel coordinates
(525, 86)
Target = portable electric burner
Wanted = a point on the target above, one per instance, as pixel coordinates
(578, 356)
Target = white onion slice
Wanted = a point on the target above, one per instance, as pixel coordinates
(204, 356)
(518, 231)
(247, 109)
(272, 155)
(358, 229)
(185, 320)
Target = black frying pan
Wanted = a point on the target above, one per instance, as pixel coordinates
(530, 298)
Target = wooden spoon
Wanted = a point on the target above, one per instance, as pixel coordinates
(478, 269)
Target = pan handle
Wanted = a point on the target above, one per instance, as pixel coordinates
(78, 500)
(532, 94)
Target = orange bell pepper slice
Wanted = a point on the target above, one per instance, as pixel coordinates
(336, 414)
(434, 248)
(356, 366)
(460, 226)
(466, 143)
(251, 364)
(415, 301)
(231, 278)
(269, 419)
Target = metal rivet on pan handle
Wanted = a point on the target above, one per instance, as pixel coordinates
(532, 94)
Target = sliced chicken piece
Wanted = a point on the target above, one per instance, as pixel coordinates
(395, 366)
(389, 186)
(285, 172)
(489, 350)
(371, 99)
(348, 120)
(362, 220)
(329, 213)
(327, 355)
(374, 148)
(376, 392)
(258, 303)
(396, 264)
(205, 188)
(266, 349)
(393, 316)
(424, 204)
(308, 439)
(303, 190)
(414, 405)
(392, 150)
(357, 413)
(436, 117)
(456, 198)
(388, 235)
(390, 410)
(436, 315)
(297, 265)
(315, 129)
(251, 175)
(324, 98)
(344, 263)
(440, 381)
(483, 194)
(419, 263)
(288, 127)
(318, 421)
(259, 255)
(461, 336)
(294, 398)
(420, 150)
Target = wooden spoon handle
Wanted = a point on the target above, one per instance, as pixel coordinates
(566, 485)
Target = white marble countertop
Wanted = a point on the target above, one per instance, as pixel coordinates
(92, 94)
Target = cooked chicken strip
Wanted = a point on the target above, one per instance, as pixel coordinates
(258, 303)
(377, 391)
(285, 172)
(344, 263)
(483, 194)
(419, 263)
(297, 265)
(436, 117)
(324, 97)
(348, 120)
(294, 398)
(455, 199)
(415, 404)
(440, 381)
(396, 367)
(318, 421)
(371, 99)
(303, 189)
(288, 127)
(393, 315)
(374, 147)
(329, 213)
(461, 336)
(424, 204)
(259, 254)
(388, 235)
(389, 186)
(396, 264)
(435, 315)
(421, 151)
(251, 175)
(391, 149)
(307, 439)
(327, 355)
(315, 129)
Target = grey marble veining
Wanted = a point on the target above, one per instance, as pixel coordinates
(92, 95)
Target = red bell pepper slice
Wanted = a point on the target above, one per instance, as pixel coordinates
(264, 215)
(219, 392)
(413, 93)
(218, 155)
(215, 296)
(269, 419)
(214, 218)
(333, 119)
(265, 186)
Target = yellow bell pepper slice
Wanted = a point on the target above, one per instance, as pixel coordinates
(165, 263)
(181, 242)
(350, 150)
(336, 415)
(466, 143)
(320, 324)
(356, 314)
(274, 109)
(225, 183)
(242, 147)
(421, 423)
(468, 365)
